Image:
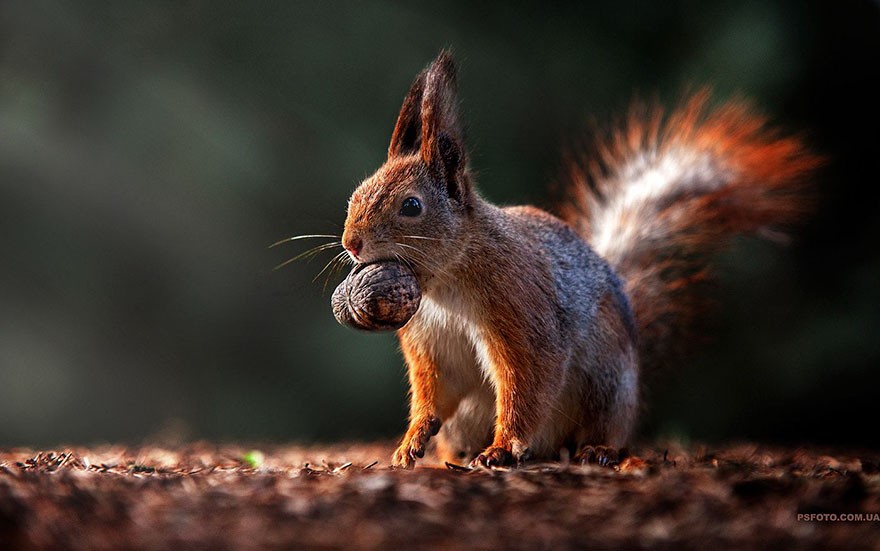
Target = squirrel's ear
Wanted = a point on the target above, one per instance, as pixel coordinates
(442, 147)
(407, 133)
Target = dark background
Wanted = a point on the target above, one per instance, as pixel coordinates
(150, 152)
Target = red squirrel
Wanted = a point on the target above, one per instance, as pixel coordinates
(533, 329)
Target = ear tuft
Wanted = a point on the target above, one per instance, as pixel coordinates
(407, 134)
(452, 160)
(428, 124)
(442, 146)
(439, 109)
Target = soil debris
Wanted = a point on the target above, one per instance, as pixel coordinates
(345, 496)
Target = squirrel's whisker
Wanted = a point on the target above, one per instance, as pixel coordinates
(309, 253)
(426, 260)
(298, 237)
(315, 250)
(403, 260)
(332, 260)
(432, 268)
(422, 237)
(338, 262)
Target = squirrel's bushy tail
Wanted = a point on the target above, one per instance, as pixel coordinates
(668, 191)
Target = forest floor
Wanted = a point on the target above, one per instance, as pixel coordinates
(204, 496)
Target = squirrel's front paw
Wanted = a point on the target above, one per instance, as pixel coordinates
(413, 445)
(494, 456)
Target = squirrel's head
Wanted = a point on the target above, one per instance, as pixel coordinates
(414, 207)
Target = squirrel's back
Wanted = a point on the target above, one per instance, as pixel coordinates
(582, 277)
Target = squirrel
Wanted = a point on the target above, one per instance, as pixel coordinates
(534, 329)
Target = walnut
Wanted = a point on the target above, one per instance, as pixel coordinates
(381, 296)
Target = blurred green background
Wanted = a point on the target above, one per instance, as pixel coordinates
(151, 151)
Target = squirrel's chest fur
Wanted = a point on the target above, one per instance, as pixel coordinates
(452, 331)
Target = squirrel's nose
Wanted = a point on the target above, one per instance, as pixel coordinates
(353, 245)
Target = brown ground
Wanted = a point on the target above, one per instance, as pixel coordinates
(203, 496)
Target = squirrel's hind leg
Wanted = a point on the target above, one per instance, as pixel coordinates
(469, 430)
(606, 383)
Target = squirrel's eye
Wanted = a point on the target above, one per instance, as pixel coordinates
(411, 207)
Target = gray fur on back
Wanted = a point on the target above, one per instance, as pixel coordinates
(581, 276)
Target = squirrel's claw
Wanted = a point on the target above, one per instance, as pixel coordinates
(494, 456)
(600, 455)
(413, 445)
(402, 459)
